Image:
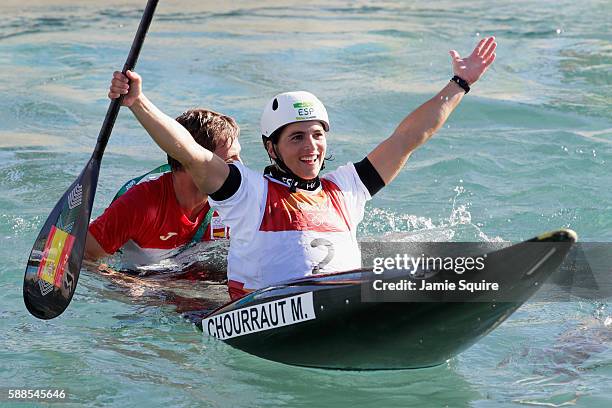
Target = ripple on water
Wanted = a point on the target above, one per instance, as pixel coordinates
(52, 114)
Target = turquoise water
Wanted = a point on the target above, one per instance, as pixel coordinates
(528, 150)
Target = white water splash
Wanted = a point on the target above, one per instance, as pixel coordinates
(457, 226)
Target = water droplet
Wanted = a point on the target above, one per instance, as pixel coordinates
(477, 34)
(558, 31)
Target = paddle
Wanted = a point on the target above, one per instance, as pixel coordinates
(55, 261)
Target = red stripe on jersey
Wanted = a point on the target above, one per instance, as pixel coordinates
(323, 211)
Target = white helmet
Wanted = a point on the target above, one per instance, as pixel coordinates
(291, 107)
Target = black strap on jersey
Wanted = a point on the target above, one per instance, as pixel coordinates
(230, 185)
(369, 176)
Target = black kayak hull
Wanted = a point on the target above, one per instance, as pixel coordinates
(321, 321)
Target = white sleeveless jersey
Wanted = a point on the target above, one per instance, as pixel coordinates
(278, 235)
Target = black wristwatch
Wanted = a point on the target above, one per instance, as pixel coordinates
(462, 83)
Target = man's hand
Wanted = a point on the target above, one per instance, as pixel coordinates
(129, 85)
(473, 67)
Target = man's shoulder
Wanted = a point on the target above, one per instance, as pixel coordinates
(149, 189)
(145, 196)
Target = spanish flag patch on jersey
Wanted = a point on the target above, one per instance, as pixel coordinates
(217, 228)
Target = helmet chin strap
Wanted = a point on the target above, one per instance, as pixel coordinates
(278, 162)
(281, 172)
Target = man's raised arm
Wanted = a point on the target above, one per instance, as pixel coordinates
(207, 170)
(389, 157)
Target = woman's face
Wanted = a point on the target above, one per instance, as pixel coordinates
(302, 146)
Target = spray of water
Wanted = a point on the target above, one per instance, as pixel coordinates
(387, 225)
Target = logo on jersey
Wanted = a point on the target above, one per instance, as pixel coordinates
(323, 211)
(218, 230)
(168, 236)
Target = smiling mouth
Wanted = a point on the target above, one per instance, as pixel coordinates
(309, 159)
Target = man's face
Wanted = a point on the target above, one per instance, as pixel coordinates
(302, 147)
(229, 152)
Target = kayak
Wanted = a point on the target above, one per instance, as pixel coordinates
(338, 321)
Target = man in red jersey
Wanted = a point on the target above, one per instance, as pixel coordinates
(156, 218)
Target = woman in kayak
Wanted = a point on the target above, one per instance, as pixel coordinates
(290, 222)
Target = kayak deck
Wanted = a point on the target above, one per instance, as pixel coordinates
(322, 321)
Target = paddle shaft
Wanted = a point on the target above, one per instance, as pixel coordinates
(130, 63)
(53, 267)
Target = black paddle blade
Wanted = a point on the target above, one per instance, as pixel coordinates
(53, 267)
